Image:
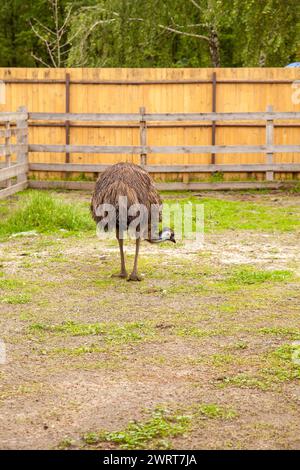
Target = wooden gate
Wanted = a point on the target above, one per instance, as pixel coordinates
(13, 171)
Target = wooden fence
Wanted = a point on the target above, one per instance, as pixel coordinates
(159, 91)
(14, 174)
(143, 150)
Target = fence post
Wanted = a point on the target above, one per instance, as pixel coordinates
(214, 109)
(7, 150)
(143, 137)
(269, 141)
(22, 139)
(67, 123)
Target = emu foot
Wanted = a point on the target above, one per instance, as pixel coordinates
(122, 275)
(134, 277)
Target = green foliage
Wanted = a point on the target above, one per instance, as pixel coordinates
(267, 32)
(172, 33)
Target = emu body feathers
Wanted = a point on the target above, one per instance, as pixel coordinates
(133, 182)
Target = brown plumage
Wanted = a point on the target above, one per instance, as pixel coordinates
(132, 181)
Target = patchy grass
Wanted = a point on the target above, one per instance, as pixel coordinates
(152, 433)
(248, 276)
(274, 368)
(214, 339)
(110, 332)
(214, 411)
(15, 299)
(163, 425)
(282, 332)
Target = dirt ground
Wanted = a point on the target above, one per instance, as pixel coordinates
(210, 333)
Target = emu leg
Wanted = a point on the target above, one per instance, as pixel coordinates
(123, 273)
(134, 275)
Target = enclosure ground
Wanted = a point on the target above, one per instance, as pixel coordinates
(203, 353)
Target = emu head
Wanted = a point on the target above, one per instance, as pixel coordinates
(167, 234)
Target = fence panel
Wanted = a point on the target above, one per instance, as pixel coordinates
(158, 91)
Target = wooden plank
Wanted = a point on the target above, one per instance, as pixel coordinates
(98, 168)
(228, 186)
(269, 143)
(221, 116)
(11, 117)
(83, 117)
(288, 167)
(22, 140)
(84, 185)
(13, 189)
(68, 167)
(225, 149)
(12, 171)
(25, 81)
(143, 138)
(85, 148)
(163, 117)
(8, 153)
(13, 148)
(223, 186)
(174, 149)
(67, 123)
(214, 109)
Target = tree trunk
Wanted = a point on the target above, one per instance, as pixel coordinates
(214, 48)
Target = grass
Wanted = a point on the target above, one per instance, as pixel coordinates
(47, 212)
(220, 214)
(140, 435)
(44, 212)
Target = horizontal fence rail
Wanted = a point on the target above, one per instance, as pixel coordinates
(173, 117)
(179, 186)
(98, 168)
(131, 149)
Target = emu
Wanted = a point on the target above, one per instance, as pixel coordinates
(135, 184)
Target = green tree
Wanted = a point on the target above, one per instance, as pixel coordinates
(268, 32)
